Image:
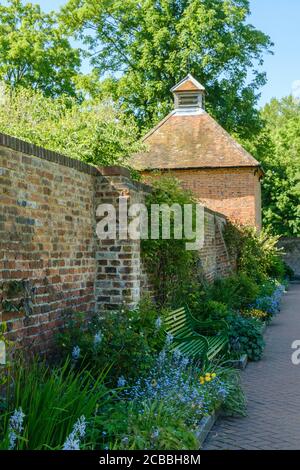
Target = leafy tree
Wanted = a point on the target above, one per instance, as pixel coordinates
(147, 46)
(278, 148)
(94, 132)
(34, 50)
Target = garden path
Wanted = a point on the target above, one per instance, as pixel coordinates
(272, 387)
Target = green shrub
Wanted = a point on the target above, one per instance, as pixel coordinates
(128, 340)
(151, 426)
(212, 310)
(237, 291)
(257, 253)
(246, 337)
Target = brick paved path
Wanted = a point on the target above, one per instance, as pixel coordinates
(272, 387)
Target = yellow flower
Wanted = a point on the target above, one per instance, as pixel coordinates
(208, 379)
(214, 375)
(202, 380)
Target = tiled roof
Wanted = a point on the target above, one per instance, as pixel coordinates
(195, 140)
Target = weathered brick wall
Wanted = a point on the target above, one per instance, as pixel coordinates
(120, 276)
(214, 256)
(234, 192)
(291, 249)
(51, 260)
(46, 240)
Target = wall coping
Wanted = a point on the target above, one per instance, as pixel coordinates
(23, 146)
(45, 154)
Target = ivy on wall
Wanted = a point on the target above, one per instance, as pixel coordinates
(17, 296)
(174, 272)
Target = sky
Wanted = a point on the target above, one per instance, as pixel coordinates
(280, 19)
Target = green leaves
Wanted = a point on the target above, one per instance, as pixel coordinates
(246, 333)
(34, 50)
(149, 46)
(278, 148)
(173, 269)
(52, 400)
(94, 132)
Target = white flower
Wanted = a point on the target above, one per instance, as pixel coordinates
(76, 353)
(158, 323)
(155, 434)
(169, 339)
(15, 427)
(121, 382)
(98, 338)
(125, 441)
(73, 440)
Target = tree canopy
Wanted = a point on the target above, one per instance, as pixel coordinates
(147, 46)
(278, 149)
(138, 49)
(35, 52)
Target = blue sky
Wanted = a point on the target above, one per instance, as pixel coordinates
(280, 19)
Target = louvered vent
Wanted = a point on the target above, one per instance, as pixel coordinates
(187, 100)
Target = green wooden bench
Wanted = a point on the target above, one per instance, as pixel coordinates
(188, 337)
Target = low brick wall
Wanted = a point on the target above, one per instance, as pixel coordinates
(51, 260)
(291, 247)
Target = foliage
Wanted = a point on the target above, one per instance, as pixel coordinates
(236, 291)
(173, 268)
(212, 310)
(150, 426)
(35, 51)
(163, 410)
(127, 339)
(91, 131)
(278, 149)
(148, 46)
(246, 336)
(52, 400)
(257, 253)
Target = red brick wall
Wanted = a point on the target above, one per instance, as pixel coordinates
(234, 192)
(47, 239)
(214, 256)
(51, 261)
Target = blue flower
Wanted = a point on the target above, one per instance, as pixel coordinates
(73, 440)
(121, 382)
(15, 427)
(76, 353)
(98, 338)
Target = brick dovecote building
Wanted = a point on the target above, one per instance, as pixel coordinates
(192, 146)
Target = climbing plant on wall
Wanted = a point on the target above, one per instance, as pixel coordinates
(173, 269)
